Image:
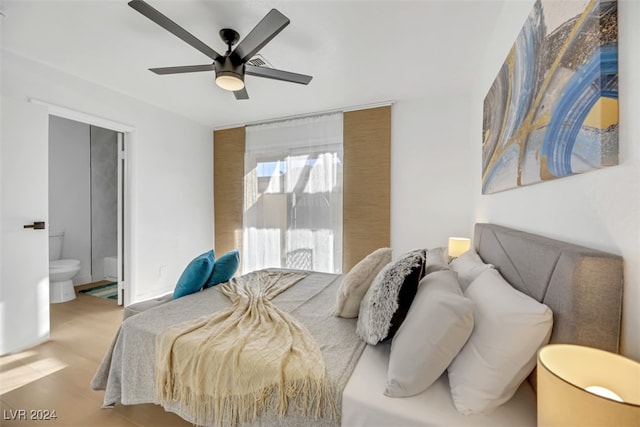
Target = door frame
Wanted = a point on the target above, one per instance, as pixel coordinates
(124, 186)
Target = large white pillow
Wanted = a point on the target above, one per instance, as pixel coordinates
(437, 325)
(357, 281)
(509, 328)
(469, 265)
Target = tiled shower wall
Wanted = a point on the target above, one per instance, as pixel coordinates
(104, 198)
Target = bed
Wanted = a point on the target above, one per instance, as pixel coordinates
(581, 286)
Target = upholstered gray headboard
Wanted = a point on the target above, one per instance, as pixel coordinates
(582, 286)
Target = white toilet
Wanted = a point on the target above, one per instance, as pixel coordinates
(61, 271)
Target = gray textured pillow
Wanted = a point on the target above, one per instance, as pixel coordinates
(386, 303)
(357, 281)
(437, 260)
(438, 324)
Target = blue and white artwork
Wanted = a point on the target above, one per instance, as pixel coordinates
(552, 111)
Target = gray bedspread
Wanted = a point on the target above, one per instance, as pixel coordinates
(127, 371)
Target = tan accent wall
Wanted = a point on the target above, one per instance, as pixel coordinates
(367, 183)
(228, 188)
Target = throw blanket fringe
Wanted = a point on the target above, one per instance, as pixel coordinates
(308, 398)
(230, 367)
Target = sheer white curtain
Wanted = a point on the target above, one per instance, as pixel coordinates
(293, 194)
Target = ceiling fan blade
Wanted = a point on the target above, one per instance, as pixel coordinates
(183, 69)
(267, 29)
(173, 28)
(241, 94)
(272, 73)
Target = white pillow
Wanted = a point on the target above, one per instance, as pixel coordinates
(437, 325)
(469, 265)
(509, 329)
(356, 282)
(437, 260)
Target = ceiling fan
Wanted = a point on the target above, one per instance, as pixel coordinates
(231, 67)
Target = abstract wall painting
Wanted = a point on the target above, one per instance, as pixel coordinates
(552, 111)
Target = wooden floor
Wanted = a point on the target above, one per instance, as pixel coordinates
(55, 376)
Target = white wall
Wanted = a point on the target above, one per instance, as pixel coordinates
(431, 171)
(170, 160)
(599, 209)
(70, 191)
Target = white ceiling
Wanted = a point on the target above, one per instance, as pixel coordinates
(359, 52)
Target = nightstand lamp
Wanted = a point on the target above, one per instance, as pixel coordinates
(458, 246)
(583, 386)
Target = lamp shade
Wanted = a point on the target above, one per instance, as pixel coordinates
(229, 81)
(458, 246)
(564, 374)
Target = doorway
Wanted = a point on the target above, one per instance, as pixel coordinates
(87, 186)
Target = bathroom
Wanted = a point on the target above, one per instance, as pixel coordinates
(83, 204)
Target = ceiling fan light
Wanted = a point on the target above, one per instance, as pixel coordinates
(229, 81)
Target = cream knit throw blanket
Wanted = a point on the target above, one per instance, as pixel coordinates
(228, 367)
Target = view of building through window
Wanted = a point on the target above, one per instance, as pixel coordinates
(293, 197)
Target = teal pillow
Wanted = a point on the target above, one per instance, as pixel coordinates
(224, 268)
(195, 275)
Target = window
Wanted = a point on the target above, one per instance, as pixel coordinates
(292, 214)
